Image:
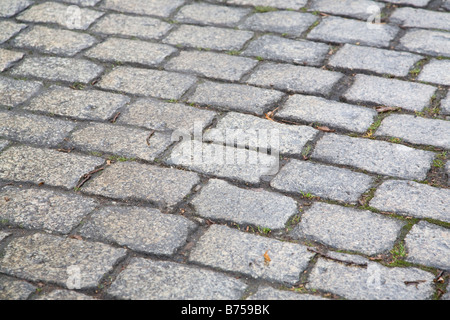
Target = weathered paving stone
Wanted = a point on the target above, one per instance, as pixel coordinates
(161, 8)
(9, 29)
(203, 13)
(435, 43)
(374, 282)
(268, 293)
(419, 18)
(360, 9)
(327, 112)
(416, 130)
(61, 14)
(447, 169)
(33, 128)
(129, 142)
(48, 40)
(348, 228)
(235, 97)
(320, 180)
(233, 250)
(373, 59)
(429, 245)
(4, 235)
(80, 104)
(211, 65)
(445, 105)
(287, 50)
(160, 84)
(295, 78)
(43, 209)
(247, 130)
(436, 72)
(8, 58)
(165, 116)
(223, 201)
(44, 257)
(208, 37)
(9, 8)
(133, 51)
(53, 168)
(14, 92)
(342, 30)
(163, 280)
(130, 180)
(222, 161)
(140, 229)
(64, 295)
(391, 92)
(414, 199)
(415, 3)
(141, 27)
(13, 289)
(348, 258)
(284, 22)
(375, 156)
(58, 69)
(3, 144)
(282, 4)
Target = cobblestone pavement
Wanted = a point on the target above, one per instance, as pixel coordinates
(99, 201)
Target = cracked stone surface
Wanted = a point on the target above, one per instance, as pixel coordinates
(224, 149)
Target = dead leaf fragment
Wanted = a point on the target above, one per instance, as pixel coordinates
(325, 129)
(385, 109)
(267, 258)
(76, 237)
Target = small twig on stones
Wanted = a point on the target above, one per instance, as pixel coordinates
(149, 137)
(87, 176)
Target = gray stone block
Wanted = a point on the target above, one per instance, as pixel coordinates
(211, 65)
(414, 199)
(9, 8)
(349, 229)
(291, 78)
(58, 69)
(130, 226)
(223, 201)
(146, 82)
(165, 116)
(253, 132)
(30, 128)
(222, 161)
(48, 210)
(53, 41)
(14, 92)
(236, 97)
(64, 295)
(419, 18)
(80, 104)
(44, 257)
(164, 280)
(124, 25)
(53, 168)
(360, 9)
(208, 37)
(123, 141)
(390, 92)
(287, 50)
(428, 244)
(232, 250)
(14, 289)
(131, 51)
(269, 293)
(436, 72)
(327, 112)
(204, 13)
(434, 43)
(9, 29)
(130, 180)
(373, 59)
(301, 177)
(416, 130)
(375, 156)
(342, 30)
(374, 282)
(285, 22)
(161, 8)
(282, 4)
(9, 58)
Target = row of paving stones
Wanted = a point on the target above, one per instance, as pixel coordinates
(120, 177)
